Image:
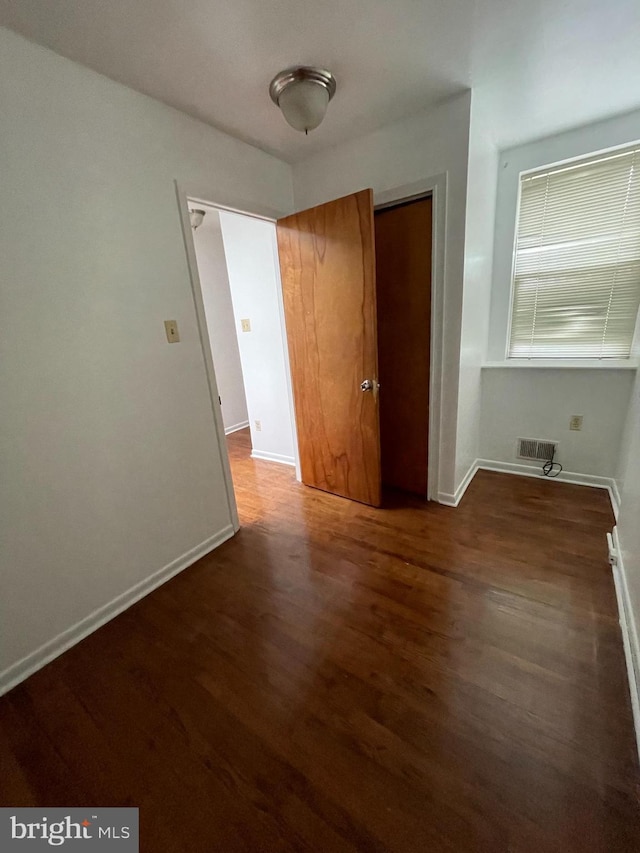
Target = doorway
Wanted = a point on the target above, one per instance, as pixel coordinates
(241, 308)
(403, 249)
(219, 312)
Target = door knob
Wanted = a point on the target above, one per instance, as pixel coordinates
(367, 385)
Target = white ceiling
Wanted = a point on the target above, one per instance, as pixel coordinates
(538, 65)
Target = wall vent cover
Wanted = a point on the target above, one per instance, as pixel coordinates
(536, 448)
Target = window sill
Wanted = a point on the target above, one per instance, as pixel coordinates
(564, 364)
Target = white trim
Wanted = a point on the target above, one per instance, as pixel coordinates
(630, 637)
(436, 186)
(535, 471)
(593, 480)
(50, 650)
(214, 198)
(285, 354)
(236, 427)
(273, 457)
(454, 500)
(560, 364)
(205, 346)
(512, 276)
(616, 500)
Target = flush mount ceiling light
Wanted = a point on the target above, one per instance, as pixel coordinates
(196, 217)
(303, 93)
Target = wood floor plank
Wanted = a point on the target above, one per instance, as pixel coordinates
(341, 678)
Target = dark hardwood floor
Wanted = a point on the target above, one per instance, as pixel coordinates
(338, 678)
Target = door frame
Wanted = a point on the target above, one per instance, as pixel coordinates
(436, 188)
(183, 195)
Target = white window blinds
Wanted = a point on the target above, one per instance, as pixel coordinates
(576, 283)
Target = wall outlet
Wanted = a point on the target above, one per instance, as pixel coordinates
(171, 330)
(258, 426)
(245, 325)
(575, 422)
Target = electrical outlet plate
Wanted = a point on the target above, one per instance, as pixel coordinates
(575, 422)
(258, 425)
(245, 325)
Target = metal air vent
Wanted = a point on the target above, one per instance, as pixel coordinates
(535, 448)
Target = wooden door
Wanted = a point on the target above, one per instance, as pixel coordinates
(328, 281)
(403, 270)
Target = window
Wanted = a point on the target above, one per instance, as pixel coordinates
(576, 278)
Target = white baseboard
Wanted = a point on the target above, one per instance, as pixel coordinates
(630, 637)
(272, 457)
(614, 495)
(593, 480)
(454, 500)
(34, 661)
(236, 427)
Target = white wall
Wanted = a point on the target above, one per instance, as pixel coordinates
(254, 275)
(579, 142)
(430, 144)
(538, 402)
(110, 468)
(216, 296)
(478, 265)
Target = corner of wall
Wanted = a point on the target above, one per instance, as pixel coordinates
(53, 648)
(477, 287)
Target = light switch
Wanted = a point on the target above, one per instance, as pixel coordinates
(171, 328)
(246, 325)
(575, 422)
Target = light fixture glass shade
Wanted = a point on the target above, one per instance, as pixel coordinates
(304, 104)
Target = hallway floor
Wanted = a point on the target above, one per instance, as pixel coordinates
(338, 678)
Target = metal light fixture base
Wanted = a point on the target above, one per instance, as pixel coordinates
(298, 74)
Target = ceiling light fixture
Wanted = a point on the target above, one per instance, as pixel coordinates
(196, 217)
(303, 93)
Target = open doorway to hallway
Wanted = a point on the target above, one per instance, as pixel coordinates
(317, 269)
(239, 280)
